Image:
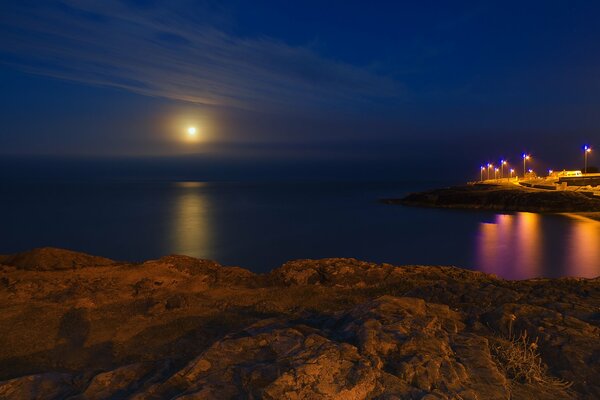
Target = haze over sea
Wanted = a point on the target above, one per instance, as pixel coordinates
(261, 224)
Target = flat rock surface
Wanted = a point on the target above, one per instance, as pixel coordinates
(75, 326)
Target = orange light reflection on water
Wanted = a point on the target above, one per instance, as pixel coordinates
(511, 246)
(583, 251)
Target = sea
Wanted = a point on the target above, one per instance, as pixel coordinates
(260, 226)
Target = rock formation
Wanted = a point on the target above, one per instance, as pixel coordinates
(74, 326)
(502, 198)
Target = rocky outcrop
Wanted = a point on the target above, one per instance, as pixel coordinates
(502, 198)
(51, 259)
(184, 328)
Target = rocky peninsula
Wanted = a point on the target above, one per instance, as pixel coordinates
(506, 197)
(76, 326)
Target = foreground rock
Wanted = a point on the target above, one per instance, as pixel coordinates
(184, 328)
(502, 198)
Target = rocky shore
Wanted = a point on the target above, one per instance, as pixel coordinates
(502, 198)
(75, 326)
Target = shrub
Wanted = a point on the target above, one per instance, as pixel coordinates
(520, 360)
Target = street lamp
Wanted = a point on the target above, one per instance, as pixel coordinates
(481, 173)
(496, 173)
(512, 171)
(525, 158)
(488, 169)
(502, 164)
(586, 150)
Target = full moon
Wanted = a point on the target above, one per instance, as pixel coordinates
(191, 131)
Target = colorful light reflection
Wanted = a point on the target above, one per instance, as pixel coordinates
(517, 247)
(511, 246)
(583, 251)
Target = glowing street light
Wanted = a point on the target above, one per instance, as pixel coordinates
(525, 158)
(481, 173)
(489, 166)
(496, 173)
(512, 171)
(586, 150)
(502, 164)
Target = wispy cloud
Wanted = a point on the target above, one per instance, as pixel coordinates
(160, 52)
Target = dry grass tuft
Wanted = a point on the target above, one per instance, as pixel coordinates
(521, 361)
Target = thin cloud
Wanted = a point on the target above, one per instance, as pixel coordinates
(161, 53)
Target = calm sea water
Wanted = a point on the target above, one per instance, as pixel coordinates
(261, 225)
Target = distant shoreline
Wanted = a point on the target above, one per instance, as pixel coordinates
(503, 198)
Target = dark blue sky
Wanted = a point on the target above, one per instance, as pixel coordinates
(428, 84)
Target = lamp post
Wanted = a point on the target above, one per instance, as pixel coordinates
(481, 173)
(525, 158)
(512, 171)
(502, 164)
(488, 169)
(496, 173)
(586, 150)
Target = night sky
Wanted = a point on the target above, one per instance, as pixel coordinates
(361, 90)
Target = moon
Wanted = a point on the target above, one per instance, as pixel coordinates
(191, 131)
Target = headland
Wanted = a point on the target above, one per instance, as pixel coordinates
(505, 197)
